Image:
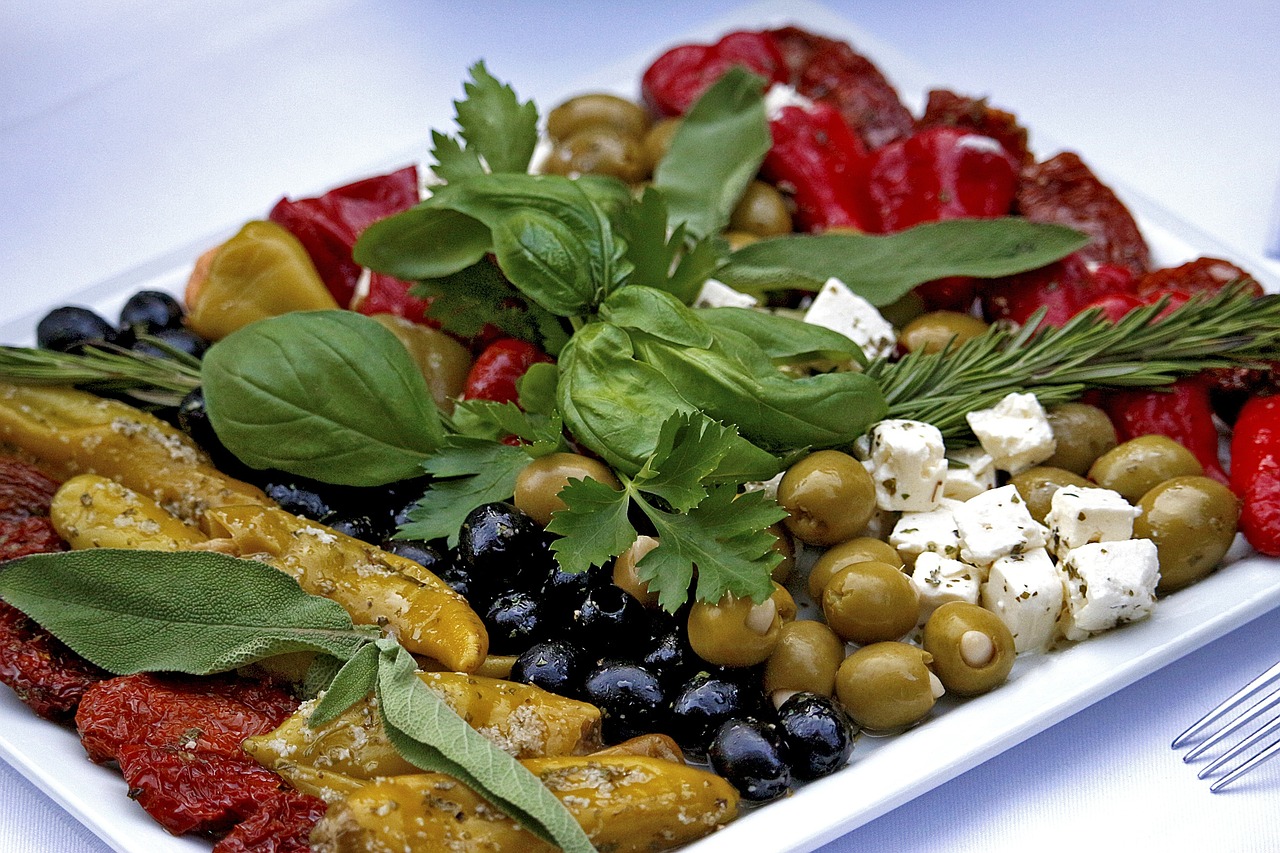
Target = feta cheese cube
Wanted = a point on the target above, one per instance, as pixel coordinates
(916, 533)
(970, 472)
(996, 524)
(838, 308)
(1078, 516)
(1107, 583)
(939, 580)
(717, 294)
(1016, 432)
(907, 465)
(1025, 591)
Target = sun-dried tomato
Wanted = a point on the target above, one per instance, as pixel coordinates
(24, 489)
(31, 535)
(46, 675)
(1202, 275)
(282, 825)
(1063, 289)
(209, 715)
(945, 108)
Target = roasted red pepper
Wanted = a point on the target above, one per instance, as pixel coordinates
(494, 373)
(945, 108)
(822, 163)
(1255, 472)
(1063, 289)
(678, 77)
(389, 295)
(328, 225)
(1182, 412)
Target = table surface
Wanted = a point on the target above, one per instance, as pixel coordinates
(132, 128)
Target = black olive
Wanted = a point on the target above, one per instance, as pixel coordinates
(513, 621)
(553, 665)
(668, 654)
(432, 556)
(701, 706)
(503, 547)
(630, 698)
(817, 733)
(749, 754)
(371, 528)
(609, 618)
(183, 340)
(193, 419)
(70, 327)
(150, 311)
(458, 578)
(301, 497)
(562, 592)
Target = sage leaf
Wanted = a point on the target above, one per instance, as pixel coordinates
(717, 151)
(189, 611)
(330, 395)
(882, 268)
(430, 735)
(355, 680)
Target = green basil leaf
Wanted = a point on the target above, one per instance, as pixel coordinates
(546, 259)
(658, 313)
(355, 680)
(785, 340)
(883, 268)
(422, 242)
(717, 151)
(537, 388)
(196, 612)
(330, 395)
(430, 735)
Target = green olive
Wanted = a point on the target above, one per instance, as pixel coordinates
(886, 687)
(761, 211)
(829, 497)
(871, 602)
(738, 239)
(598, 151)
(785, 602)
(657, 142)
(1037, 485)
(1082, 432)
(734, 631)
(597, 110)
(624, 571)
(858, 550)
(806, 658)
(932, 331)
(972, 649)
(539, 483)
(904, 309)
(1140, 464)
(784, 546)
(1192, 520)
(441, 360)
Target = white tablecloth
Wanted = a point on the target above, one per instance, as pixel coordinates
(131, 129)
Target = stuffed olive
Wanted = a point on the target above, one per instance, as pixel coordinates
(1037, 485)
(539, 483)
(806, 659)
(934, 331)
(1081, 434)
(972, 648)
(887, 687)
(837, 557)
(734, 631)
(829, 497)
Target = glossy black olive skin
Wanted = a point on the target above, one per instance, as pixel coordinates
(503, 548)
(182, 340)
(150, 311)
(553, 665)
(432, 556)
(562, 592)
(630, 698)
(70, 327)
(514, 622)
(701, 706)
(609, 618)
(458, 578)
(817, 733)
(669, 655)
(750, 755)
(367, 527)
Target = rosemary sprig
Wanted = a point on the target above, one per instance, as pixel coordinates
(150, 379)
(1230, 328)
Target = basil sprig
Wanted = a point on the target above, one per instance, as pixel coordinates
(203, 612)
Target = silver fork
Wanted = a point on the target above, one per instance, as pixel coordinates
(1258, 702)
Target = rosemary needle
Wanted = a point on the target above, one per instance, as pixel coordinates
(151, 379)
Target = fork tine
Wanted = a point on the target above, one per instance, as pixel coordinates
(1250, 716)
(1265, 755)
(1232, 702)
(1241, 748)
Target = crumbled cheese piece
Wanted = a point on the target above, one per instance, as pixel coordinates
(907, 465)
(769, 487)
(935, 532)
(939, 580)
(838, 308)
(780, 96)
(970, 472)
(1024, 590)
(717, 294)
(1107, 583)
(996, 524)
(1078, 516)
(1016, 432)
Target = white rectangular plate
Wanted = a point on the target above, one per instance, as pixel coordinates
(884, 773)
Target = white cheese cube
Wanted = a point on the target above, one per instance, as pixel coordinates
(1025, 591)
(1016, 432)
(970, 472)
(939, 580)
(1078, 516)
(838, 308)
(907, 465)
(717, 294)
(1107, 583)
(916, 533)
(996, 524)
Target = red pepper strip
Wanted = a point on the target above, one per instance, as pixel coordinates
(1255, 472)
(494, 373)
(1115, 306)
(389, 295)
(817, 157)
(327, 226)
(1183, 413)
(1063, 288)
(677, 78)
